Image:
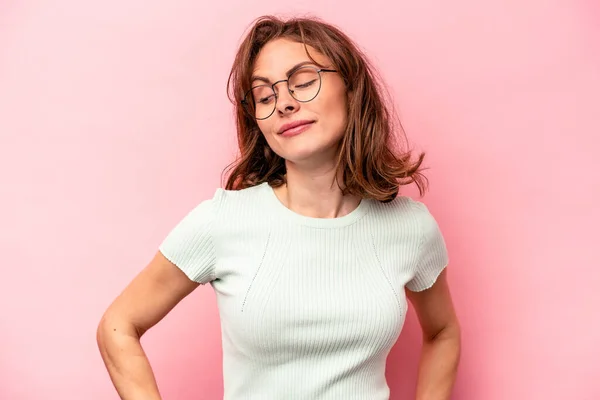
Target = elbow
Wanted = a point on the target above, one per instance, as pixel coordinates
(102, 332)
(450, 331)
(113, 325)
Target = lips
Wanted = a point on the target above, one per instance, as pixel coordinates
(292, 125)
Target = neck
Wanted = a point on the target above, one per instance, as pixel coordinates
(315, 192)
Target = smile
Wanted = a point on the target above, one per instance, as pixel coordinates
(295, 128)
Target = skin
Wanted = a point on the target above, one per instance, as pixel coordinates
(310, 156)
(310, 163)
(440, 353)
(311, 191)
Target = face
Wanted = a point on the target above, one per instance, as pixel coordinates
(324, 118)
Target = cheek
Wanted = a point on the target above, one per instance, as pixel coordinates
(266, 128)
(336, 115)
(267, 131)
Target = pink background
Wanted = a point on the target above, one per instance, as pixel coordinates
(114, 122)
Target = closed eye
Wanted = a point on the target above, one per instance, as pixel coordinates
(307, 84)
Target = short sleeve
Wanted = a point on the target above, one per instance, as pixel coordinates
(190, 246)
(432, 254)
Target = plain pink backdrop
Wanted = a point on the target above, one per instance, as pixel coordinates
(114, 122)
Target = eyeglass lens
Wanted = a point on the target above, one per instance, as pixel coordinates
(304, 85)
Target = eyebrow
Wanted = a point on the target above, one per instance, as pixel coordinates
(288, 73)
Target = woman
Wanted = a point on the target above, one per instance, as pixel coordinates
(309, 248)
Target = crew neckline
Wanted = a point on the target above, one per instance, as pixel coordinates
(315, 222)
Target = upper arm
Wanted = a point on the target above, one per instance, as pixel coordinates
(149, 297)
(434, 307)
(185, 259)
(428, 289)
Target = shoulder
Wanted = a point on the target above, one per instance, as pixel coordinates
(402, 208)
(231, 207)
(233, 202)
(218, 214)
(241, 195)
(221, 205)
(403, 217)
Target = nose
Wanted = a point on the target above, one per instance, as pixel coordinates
(286, 103)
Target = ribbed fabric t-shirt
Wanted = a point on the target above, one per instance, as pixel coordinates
(309, 307)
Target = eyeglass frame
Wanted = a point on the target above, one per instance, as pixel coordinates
(318, 70)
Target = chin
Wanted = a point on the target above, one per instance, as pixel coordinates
(305, 147)
(302, 154)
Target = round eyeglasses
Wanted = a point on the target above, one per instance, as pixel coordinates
(303, 84)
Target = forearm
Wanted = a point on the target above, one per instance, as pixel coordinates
(438, 365)
(126, 362)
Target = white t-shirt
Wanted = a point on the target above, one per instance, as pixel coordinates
(309, 307)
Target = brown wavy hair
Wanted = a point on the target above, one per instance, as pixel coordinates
(369, 162)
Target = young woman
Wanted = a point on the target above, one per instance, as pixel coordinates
(310, 248)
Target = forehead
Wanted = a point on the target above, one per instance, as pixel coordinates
(279, 55)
